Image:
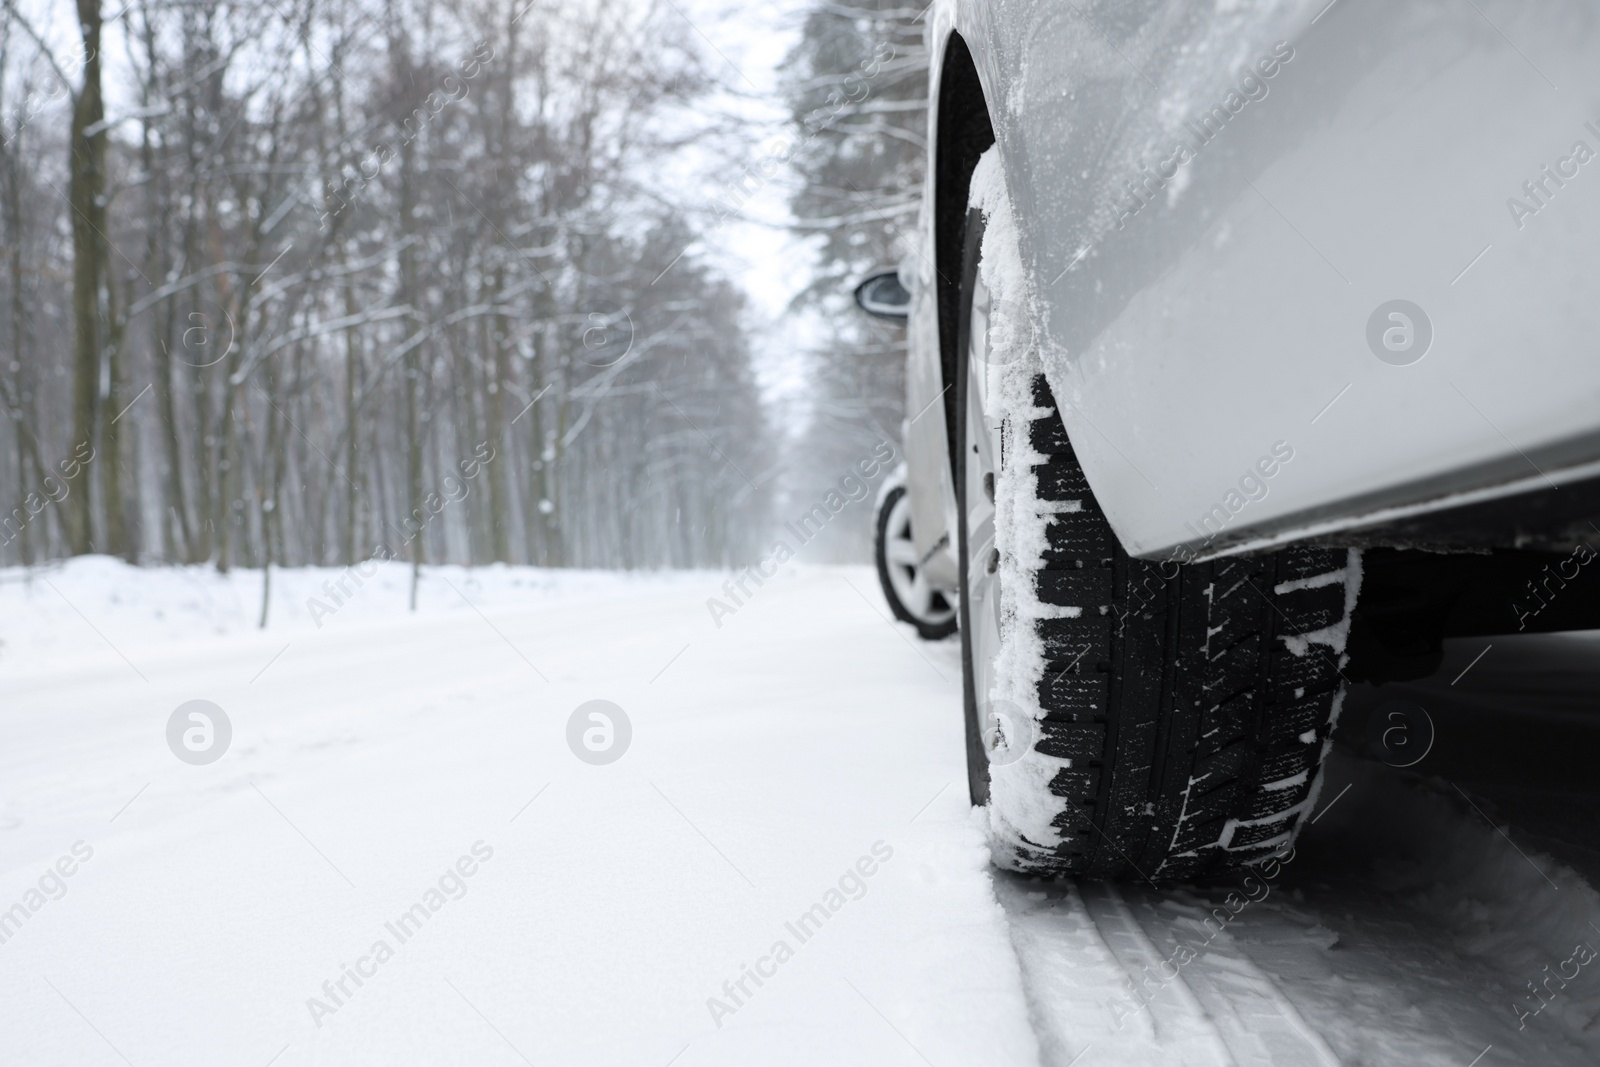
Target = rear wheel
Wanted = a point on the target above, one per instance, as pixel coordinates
(1125, 718)
(901, 572)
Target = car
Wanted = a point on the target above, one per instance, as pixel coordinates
(1250, 355)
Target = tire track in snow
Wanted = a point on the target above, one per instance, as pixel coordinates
(1081, 952)
(1257, 1021)
(1088, 950)
(1181, 1022)
(1409, 930)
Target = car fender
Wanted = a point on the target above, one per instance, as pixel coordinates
(1204, 321)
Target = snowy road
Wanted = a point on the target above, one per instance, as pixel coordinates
(400, 860)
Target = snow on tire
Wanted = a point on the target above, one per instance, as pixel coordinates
(1181, 712)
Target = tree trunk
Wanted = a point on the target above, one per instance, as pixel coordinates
(499, 379)
(87, 198)
(20, 392)
(352, 430)
(117, 486)
(409, 296)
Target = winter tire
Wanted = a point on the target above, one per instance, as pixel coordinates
(1125, 718)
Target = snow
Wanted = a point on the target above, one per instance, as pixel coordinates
(1316, 581)
(1021, 806)
(805, 759)
(1336, 635)
(768, 758)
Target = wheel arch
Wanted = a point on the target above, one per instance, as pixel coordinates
(963, 131)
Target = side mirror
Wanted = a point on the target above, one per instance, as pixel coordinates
(882, 296)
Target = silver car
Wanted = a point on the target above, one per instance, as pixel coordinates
(1252, 353)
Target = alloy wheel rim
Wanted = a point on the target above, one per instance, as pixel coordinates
(981, 449)
(906, 574)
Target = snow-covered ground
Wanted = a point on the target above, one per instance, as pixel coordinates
(780, 868)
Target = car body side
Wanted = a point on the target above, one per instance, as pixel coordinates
(1215, 204)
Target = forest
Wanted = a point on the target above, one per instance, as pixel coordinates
(309, 281)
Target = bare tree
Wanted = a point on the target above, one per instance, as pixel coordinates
(357, 277)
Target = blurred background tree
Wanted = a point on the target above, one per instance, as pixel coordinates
(273, 277)
(856, 85)
(306, 263)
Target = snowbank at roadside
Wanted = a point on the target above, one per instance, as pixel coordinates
(52, 612)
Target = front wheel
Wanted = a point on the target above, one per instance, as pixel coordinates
(1125, 718)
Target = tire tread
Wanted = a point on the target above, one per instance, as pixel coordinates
(1173, 694)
